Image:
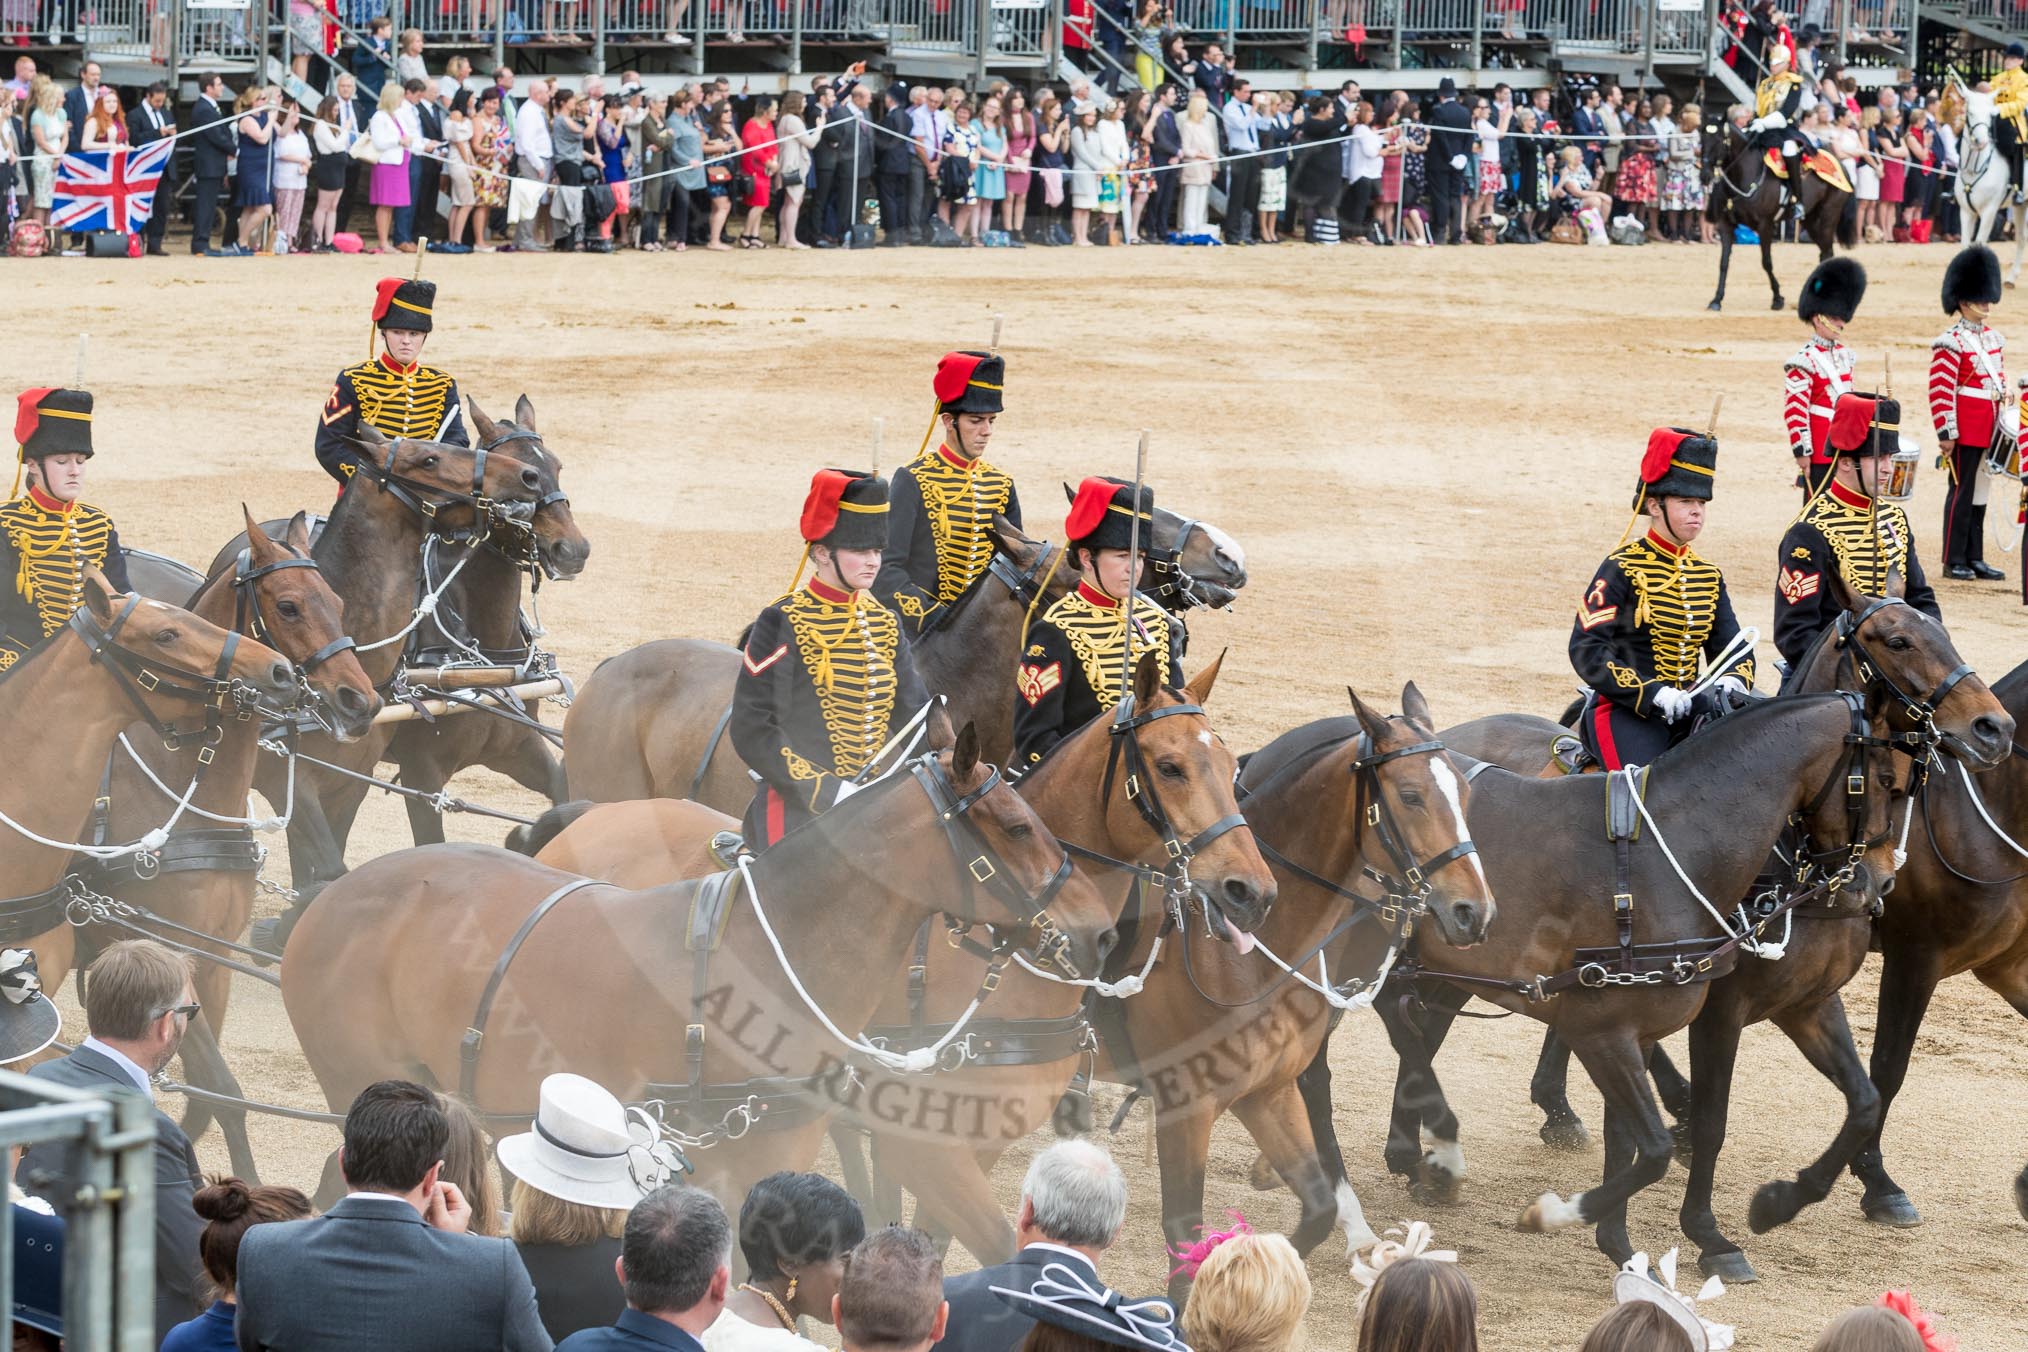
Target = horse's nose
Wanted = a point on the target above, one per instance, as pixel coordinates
(530, 480)
(352, 703)
(1241, 899)
(1993, 735)
(281, 677)
(1233, 568)
(1105, 944)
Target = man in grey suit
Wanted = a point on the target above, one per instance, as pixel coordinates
(138, 1003)
(1073, 1203)
(390, 1267)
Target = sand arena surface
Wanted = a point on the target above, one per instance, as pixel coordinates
(1424, 454)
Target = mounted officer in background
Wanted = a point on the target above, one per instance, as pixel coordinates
(940, 528)
(48, 538)
(1654, 612)
(1075, 653)
(1777, 103)
(2010, 113)
(826, 670)
(392, 392)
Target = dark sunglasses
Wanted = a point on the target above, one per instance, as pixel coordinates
(189, 1011)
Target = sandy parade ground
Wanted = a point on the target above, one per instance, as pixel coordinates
(1424, 454)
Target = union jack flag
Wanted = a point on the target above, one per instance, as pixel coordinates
(108, 189)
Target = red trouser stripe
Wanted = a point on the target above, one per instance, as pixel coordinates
(776, 825)
(1602, 729)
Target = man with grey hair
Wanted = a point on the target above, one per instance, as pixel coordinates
(890, 1298)
(675, 1266)
(1073, 1203)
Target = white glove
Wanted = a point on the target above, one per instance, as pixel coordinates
(1775, 120)
(1672, 703)
(1733, 686)
(846, 788)
(1757, 125)
(1458, 162)
(1790, 149)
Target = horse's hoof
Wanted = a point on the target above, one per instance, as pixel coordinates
(2021, 1193)
(1713, 307)
(1072, 1116)
(2010, 286)
(1775, 1204)
(1263, 1175)
(1680, 1133)
(1404, 1163)
(1729, 1266)
(1548, 1213)
(1893, 1209)
(1435, 1185)
(1565, 1133)
(1776, 304)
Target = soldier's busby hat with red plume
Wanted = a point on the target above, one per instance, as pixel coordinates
(846, 509)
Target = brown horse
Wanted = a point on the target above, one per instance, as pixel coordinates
(388, 967)
(202, 879)
(485, 602)
(1036, 1040)
(370, 552)
(1920, 694)
(120, 657)
(1745, 192)
(1559, 955)
(650, 723)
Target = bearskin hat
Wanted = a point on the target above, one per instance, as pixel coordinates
(1834, 289)
(1974, 275)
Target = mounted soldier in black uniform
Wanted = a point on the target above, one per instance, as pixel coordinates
(48, 538)
(393, 392)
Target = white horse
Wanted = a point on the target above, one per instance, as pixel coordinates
(1984, 194)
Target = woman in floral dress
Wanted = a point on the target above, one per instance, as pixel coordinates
(1683, 177)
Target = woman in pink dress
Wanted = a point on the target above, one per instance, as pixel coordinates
(1020, 154)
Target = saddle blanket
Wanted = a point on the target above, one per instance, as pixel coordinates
(1822, 163)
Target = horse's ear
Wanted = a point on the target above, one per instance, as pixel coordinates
(1896, 583)
(1069, 494)
(1199, 687)
(298, 533)
(99, 596)
(1011, 542)
(1842, 594)
(485, 426)
(256, 538)
(1147, 680)
(937, 732)
(1415, 707)
(368, 441)
(524, 414)
(965, 755)
(1374, 724)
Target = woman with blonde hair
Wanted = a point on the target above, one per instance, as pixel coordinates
(1250, 1295)
(388, 187)
(1198, 159)
(48, 134)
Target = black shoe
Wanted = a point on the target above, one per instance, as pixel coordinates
(1958, 572)
(827, 243)
(155, 250)
(1986, 572)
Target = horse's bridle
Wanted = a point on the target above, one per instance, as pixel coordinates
(1172, 588)
(1920, 711)
(137, 678)
(246, 611)
(1855, 771)
(525, 549)
(426, 500)
(979, 867)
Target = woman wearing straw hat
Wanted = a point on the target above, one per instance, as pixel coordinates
(576, 1175)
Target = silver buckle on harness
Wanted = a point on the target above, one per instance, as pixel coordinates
(1593, 975)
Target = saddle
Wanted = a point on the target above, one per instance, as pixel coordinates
(1821, 163)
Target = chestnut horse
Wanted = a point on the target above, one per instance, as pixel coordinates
(481, 618)
(1036, 1040)
(388, 967)
(370, 552)
(650, 723)
(202, 879)
(1722, 803)
(1921, 696)
(119, 658)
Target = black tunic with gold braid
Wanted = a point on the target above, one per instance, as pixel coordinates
(1835, 535)
(396, 400)
(827, 677)
(45, 547)
(1071, 669)
(940, 531)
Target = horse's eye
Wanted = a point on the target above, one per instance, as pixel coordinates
(289, 610)
(1899, 644)
(429, 462)
(165, 636)
(1169, 769)
(1410, 798)
(1021, 831)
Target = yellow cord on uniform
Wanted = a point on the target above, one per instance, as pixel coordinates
(821, 674)
(1639, 499)
(801, 563)
(1028, 617)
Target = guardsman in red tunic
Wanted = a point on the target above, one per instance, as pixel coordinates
(1968, 393)
(1815, 377)
(1655, 612)
(827, 675)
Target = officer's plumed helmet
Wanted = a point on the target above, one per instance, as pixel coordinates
(970, 382)
(1102, 515)
(1678, 463)
(1974, 275)
(1834, 289)
(846, 509)
(399, 304)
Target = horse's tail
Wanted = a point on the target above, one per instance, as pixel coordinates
(532, 839)
(1569, 718)
(1848, 229)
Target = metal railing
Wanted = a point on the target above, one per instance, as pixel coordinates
(108, 1207)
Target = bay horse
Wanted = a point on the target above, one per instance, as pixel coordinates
(1960, 905)
(1900, 659)
(1555, 955)
(1338, 806)
(370, 553)
(120, 657)
(1746, 192)
(659, 993)
(650, 722)
(203, 878)
(1037, 1039)
(481, 618)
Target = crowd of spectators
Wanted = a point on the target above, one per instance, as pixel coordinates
(599, 1249)
(524, 164)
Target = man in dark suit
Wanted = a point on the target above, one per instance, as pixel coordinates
(138, 1004)
(1448, 162)
(390, 1267)
(1073, 1203)
(153, 120)
(213, 148)
(894, 156)
(79, 102)
(849, 133)
(424, 172)
(1167, 144)
(815, 220)
(676, 1265)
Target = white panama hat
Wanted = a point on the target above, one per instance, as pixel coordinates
(584, 1148)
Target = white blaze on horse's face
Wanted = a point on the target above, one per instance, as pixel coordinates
(1447, 785)
(1224, 546)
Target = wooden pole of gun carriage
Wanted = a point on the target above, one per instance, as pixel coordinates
(403, 713)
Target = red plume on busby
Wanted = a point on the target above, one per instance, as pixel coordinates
(53, 421)
(1858, 422)
(1973, 275)
(846, 509)
(1834, 289)
(1678, 463)
(1102, 515)
(399, 303)
(969, 382)
(27, 413)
